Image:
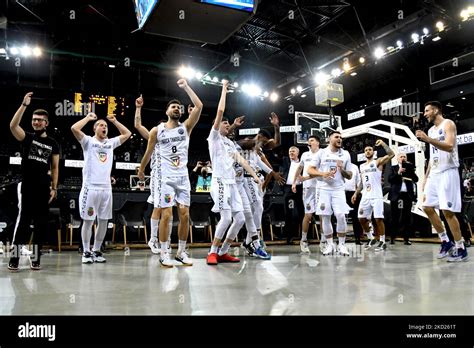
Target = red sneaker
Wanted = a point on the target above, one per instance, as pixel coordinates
(212, 259)
(227, 258)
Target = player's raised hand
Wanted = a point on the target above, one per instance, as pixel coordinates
(27, 98)
(91, 116)
(274, 120)
(111, 118)
(379, 142)
(182, 83)
(239, 121)
(139, 101)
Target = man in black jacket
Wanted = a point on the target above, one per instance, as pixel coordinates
(402, 179)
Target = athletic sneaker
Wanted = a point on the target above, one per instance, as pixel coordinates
(212, 259)
(262, 254)
(329, 249)
(1, 248)
(446, 249)
(342, 249)
(154, 245)
(13, 264)
(250, 248)
(227, 258)
(87, 257)
(382, 246)
(304, 247)
(166, 261)
(184, 259)
(458, 255)
(97, 257)
(322, 246)
(370, 244)
(34, 265)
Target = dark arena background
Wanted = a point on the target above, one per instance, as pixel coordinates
(296, 69)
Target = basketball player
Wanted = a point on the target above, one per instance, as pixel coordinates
(153, 243)
(173, 186)
(224, 191)
(309, 189)
(96, 192)
(372, 195)
(441, 187)
(331, 165)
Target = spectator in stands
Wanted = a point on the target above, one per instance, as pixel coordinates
(470, 189)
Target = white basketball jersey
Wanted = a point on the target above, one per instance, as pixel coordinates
(326, 161)
(442, 160)
(307, 158)
(371, 177)
(173, 150)
(239, 170)
(221, 151)
(98, 158)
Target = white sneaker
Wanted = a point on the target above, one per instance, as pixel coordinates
(184, 259)
(166, 261)
(329, 249)
(304, 247)
(154, 245)
(342, 249)
(97, 257)
(87, 257)
(1, 248)
(322, 246)
(25, 251)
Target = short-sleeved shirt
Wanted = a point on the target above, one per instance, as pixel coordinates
(98, 160)
(326, 161)
(37, 154)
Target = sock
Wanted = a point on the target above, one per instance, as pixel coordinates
(154, 223)
(382, 238)
(248, 239)
(164, 247)
(214, 249)
(323, 238)
(304, 236)
(459, 244)
(443, 236)
(255, 241)
(86, 234)
(100, 235)
(330, 241)
(224, 249)
(370, 235)
(181, 246)
(342, 240)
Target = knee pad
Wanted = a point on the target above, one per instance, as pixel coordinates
(341, 226)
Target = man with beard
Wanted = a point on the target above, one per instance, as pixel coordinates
(372, 195)
(96, 193)
(332, 166)
(172, 184)
(37, 189)
(441, 186)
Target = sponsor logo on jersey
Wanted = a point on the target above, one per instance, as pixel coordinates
(322, 206)
(361, 211)
(90, 211)
(102, 156)
(176, 161)
(181, 131)
(167, 198)
(450, 204)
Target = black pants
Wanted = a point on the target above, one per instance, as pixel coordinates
(354, 215)
(401, 222)
(33, 209)
(294, 210)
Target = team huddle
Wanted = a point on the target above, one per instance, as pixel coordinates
(236, 187)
